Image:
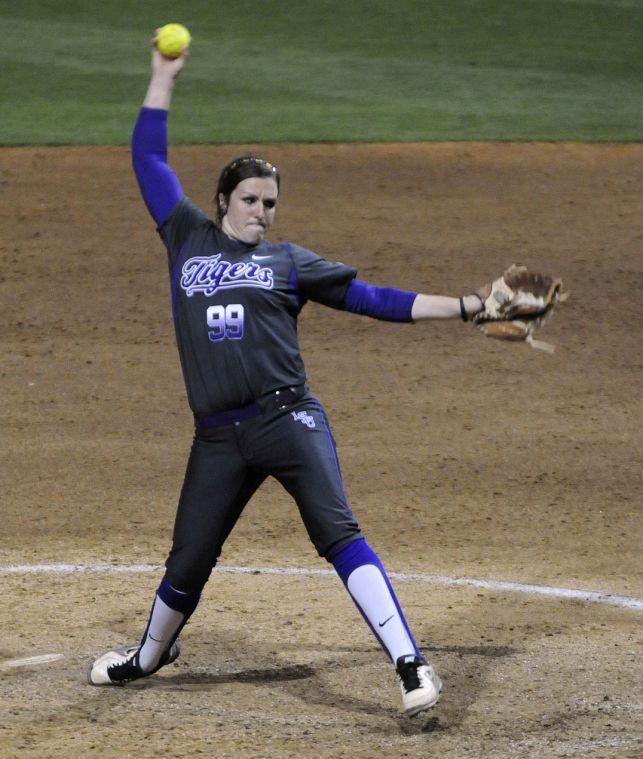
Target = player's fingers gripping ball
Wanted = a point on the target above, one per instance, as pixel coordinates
(172, 40)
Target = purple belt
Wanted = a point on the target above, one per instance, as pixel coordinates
(274, 400)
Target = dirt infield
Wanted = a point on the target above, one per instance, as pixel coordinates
(462, 457)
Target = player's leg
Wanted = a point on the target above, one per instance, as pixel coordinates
(217, 486)
(170, 612)
(304, 459)
(210, 505)
(312, 476)
(366, 580)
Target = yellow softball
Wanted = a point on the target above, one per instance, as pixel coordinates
(172, 39)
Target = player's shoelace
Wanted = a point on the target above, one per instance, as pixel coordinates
(126, 671)
(408, 672)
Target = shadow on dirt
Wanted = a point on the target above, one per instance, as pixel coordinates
(267, 675)
(495, 652)
(307, 683)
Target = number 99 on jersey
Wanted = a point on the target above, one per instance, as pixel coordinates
(225, 322)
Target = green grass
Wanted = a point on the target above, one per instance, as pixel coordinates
(312, 70)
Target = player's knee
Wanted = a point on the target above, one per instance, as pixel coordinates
(335, 548)
(188, 579)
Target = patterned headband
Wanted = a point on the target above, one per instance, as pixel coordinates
(246, 161)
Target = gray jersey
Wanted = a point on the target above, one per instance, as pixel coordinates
(235, 309)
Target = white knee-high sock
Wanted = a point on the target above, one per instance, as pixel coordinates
(369, 590)
(161, 629)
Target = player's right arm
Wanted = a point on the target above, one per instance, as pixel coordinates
(159, 185)
(164, 74)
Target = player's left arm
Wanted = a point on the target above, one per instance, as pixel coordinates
(446, 307)
(391, 304)
(334, 284)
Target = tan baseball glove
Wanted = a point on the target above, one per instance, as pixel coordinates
(520, 301)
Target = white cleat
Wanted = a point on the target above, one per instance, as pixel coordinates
(120, 666)
(419, 683)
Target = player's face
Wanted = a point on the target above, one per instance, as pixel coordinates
(251, 209)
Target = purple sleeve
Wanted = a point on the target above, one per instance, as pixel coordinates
(160, 188)
(385, 303)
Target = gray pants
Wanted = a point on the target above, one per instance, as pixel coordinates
(226, 466)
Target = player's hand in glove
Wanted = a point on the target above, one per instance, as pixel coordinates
(519, 302)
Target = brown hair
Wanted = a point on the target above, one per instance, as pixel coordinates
(235, 172)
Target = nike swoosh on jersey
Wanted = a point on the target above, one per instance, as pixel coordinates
(259, 258)
(381, 624)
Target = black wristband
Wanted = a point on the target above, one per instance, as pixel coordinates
(463, 311)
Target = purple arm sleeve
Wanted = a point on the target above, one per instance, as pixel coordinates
(160, 188)
(385, 303)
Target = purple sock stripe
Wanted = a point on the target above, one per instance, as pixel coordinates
(357, 554)
(349, 557)
(186, 603)
(149, 621)
(401, 613)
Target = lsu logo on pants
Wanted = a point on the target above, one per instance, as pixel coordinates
(304, 417)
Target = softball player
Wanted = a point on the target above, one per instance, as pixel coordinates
(235, 300)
